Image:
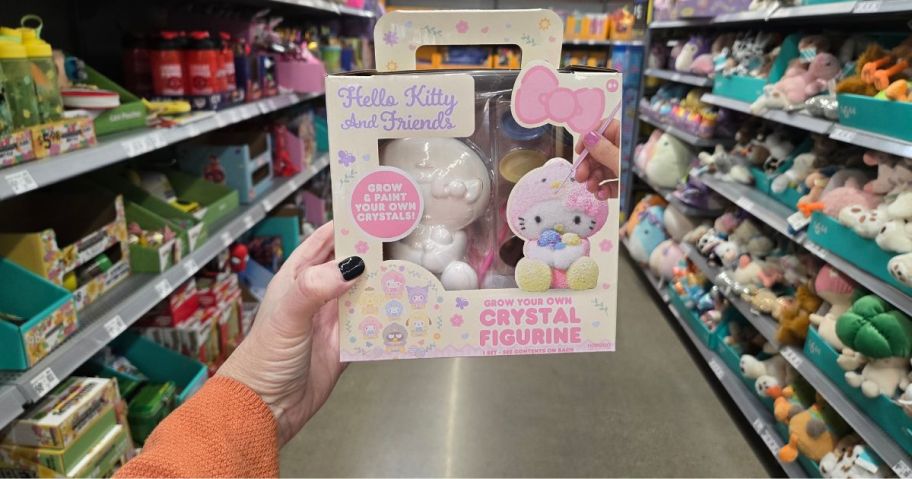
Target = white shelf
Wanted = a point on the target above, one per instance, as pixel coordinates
(686, 137)
(879, 441)
(118, 147)
(678, 77)
(681, 23)
(874, 141)
(820, 10)
(756, 414)
(117, 309)
(603, 42)
(797, 120)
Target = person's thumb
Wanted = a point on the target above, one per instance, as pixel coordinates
(602, 150)
(314, 286)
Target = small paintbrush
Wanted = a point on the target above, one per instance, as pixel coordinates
(585, 153)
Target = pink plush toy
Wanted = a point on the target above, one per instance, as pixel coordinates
(644, 151)
(799, 83)
(849, 194)
(555, 215)
(892, 171)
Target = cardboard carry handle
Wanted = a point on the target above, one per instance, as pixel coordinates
(399, 34)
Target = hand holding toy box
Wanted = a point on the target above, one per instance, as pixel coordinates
(458, 190)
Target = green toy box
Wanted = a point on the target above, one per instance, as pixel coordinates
(218, 200)
(748, 89)
(47, 311)
(882, 410)
(691, 318)
(113, 451)
(885, 117)
(129, 115)
(148, 259)
(285, 226)
(861, 252)
(150, 406)
(65, 460)
(82, 246)
(731, 354)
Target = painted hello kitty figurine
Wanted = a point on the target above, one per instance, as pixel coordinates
(555, 215)
(456, 187)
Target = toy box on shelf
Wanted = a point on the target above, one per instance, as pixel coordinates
(885, 412)
(862, 252)
(75, 240)
(160, 255)
(675, 9)
(691, 318)
(284, 223)
(66, 460)
(241, 160)
(176, 308)
(64, 414)
(876, 115)
(37, 316)
(442, 289)
(216, 201)
(749, 88)
(183, 215)
(130, 114)
(587, 26)
(293, 144)
(302, 75)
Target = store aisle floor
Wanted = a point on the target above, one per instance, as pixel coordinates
(645, 410)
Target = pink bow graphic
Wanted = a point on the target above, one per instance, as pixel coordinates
(540, 98)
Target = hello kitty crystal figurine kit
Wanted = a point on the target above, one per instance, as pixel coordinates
(457, 188)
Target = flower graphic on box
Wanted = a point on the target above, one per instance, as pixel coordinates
(390, 38)
(456, 320)
(346, 158)
(361, 247)
(462, 26)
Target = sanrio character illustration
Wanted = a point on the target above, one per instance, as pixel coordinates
(394, 337)
(394, 309)
(555, 215)
(456, 187)
(419, 322)
(370, 327)
(417, 296)
(392, 283)
(370, 301)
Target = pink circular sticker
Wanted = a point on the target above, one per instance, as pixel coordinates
(386, 204)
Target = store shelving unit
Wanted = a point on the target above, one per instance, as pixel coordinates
(678, 77)
(605, 43)
(759, 418)
(797, 120)
(667, 193)
(327, 6)
(116, 310)
(892, 454)
(689, 138)
(36, 174)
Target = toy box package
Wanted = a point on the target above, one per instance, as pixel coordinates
(457, 188)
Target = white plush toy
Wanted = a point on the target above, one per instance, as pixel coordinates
(456, 188)
(864, 222)
(881, 376)
(794, 176)
(900, 267)
(751, 239)
(895, 236)
(677, 224)
(669, 163)
(694, 235)
(775, 367)
(725, 167)
(850, 459)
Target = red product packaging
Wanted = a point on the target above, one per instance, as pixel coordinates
(167, 66)
(201, 60)
(137, 65)
(174, 310)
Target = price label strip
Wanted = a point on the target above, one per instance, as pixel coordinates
(792, 357)
(226, 239)
(870, 6)
(21, 182)
(190, 266)
(248, 222)
(844, 135)
(44, 382)
(115, 326)
(163, 288)
(716, 368)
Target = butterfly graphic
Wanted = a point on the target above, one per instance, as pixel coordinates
(462, 303)
(346, 158)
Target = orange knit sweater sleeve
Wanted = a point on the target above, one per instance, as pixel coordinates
(224, 430)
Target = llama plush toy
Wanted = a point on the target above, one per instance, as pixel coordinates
(555, 215)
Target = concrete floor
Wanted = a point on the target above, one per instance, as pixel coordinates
(649, 409)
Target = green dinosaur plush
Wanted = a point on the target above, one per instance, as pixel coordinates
(875, 330)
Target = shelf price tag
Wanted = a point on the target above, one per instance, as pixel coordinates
(841, 134)
(816, 250)
(797, 221)
(248, 221)
(44, 382)
(771, 442)
(21, 182)
(190, 266)
(902, 469)
(163, 288)
(226, 239)
(192, 131)
(263, 107)
(232, 116)
(267, 205)
(745, 203)
(792, 357)
(717, 368)
(115, 326)
(676, 77)
(870, 6)
(157, 140)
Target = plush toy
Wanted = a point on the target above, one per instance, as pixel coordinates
(724, 167)
(905, 400)
(851, 459)
(648, 234)
(456, 188)
(669, 162)
(747, 53)
(644, 152)
(556, 218)
(802, 166)
(693, 236)
(865, 222)
(892, 172)
(665, 257)
(763, 300)
(809, 434)
(875, 330)
(710, 239)
(793, 314)
(644, 204)
(848, 195)
(696, 45)
(774, 366)
(818, 183)
(774, 146)
(705, 64)
(896, 63)
(856, 84)
(900, 267)
(751, 240)
(725, 253)
(895, 236)
(756, 273)
(677, 224)
(798, 84)
(838, 290)
(881, 376)
(726, 223)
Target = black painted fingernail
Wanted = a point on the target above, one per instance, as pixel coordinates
(351, 267)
